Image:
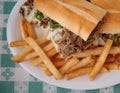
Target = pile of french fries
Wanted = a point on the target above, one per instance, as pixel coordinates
(41, 53)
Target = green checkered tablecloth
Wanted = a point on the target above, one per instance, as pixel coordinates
(14, 79)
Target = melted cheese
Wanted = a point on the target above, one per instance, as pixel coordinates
(55, 34)
(30, 17)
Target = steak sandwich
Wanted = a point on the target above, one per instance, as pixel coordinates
(72, 26)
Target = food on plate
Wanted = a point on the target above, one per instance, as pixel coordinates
(46, 70)
(101, 60)
(28, 50)
(97, 51)
(44, 57)
(82, 39)
(68, 38)
(110, 29)
(22, 42)
(82, 63)
(82, 71)
(71, 67)
(27, 29)
(117, 57)
(70, 63)
(112, 66)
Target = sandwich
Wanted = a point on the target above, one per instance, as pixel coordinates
(72, 26)
(111, 27)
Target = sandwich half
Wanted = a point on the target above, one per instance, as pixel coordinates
(73, 27)
(111, 28)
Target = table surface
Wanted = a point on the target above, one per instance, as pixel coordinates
(14, 79)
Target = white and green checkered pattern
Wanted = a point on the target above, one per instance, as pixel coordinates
(13, 79)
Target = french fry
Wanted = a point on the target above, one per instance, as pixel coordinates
(104, 70)
(89, 52)
(78, 72)
(26, 55)
(117, 57)
(112, 66)
(52, 52)
(101, 60)
(40, 41)
(30, 30)
(18, 43)
(70, 63)
(47, 49)
(110, 59)
(19, 57)
(27, 29)
(119, 67)
(31, 55)
(23, 28)
(82, 71)
(46, 70)
(36, 61)
(59, 63)
(44, 57)
(115, 50)
(81, 63)
(91, 64)
(56, 57)
(97, 51)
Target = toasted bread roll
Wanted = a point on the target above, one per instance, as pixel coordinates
(111, 24)
(110, 5)
(69, 17)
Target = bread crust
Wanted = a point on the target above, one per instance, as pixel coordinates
(112, 6)
(66, 17)
(111, 24)
(92, 12)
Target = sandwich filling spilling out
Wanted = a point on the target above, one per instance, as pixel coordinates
(114, 37)
(68, 43)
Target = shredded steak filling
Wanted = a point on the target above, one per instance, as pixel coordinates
(29, 4)
(114, 37)
(72, 43)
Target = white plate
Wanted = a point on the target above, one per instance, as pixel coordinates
(82, 83)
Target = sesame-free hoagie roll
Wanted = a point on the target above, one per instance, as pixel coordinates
(75, 22)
